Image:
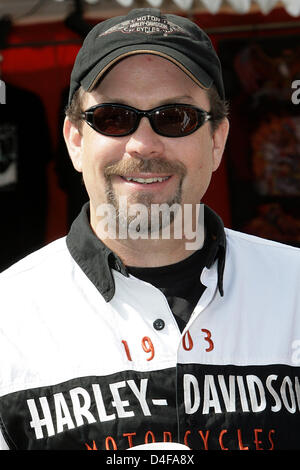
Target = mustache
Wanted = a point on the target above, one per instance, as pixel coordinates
(154, 165)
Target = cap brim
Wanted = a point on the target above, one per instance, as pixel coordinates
(189, 67)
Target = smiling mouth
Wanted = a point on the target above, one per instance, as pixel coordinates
(151, 180)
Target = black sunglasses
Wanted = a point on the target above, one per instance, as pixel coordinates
(170, 120)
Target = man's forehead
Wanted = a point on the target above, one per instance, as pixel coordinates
(118, 98)
(134, 82)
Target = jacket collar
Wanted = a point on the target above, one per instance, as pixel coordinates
(97, 261)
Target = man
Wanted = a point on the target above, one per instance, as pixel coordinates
(143, 325)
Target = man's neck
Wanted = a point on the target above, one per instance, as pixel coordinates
(149, 253)
(155, 249)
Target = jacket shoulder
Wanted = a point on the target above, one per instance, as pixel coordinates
(234, 235)
(261, 250)
(36, 262)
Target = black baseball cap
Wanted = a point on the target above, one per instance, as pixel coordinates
(147, 31)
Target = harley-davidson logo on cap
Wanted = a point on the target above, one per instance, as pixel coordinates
(146, 24)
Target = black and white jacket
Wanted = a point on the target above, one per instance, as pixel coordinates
(92, 357)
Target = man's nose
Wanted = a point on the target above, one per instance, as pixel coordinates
(145, 142)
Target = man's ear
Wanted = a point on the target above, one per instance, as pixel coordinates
(73, 139)
(219, 142)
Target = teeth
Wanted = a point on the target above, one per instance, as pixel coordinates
(147, 180)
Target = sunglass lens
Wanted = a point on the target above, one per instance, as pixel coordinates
(114, 120)
(176, 121)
